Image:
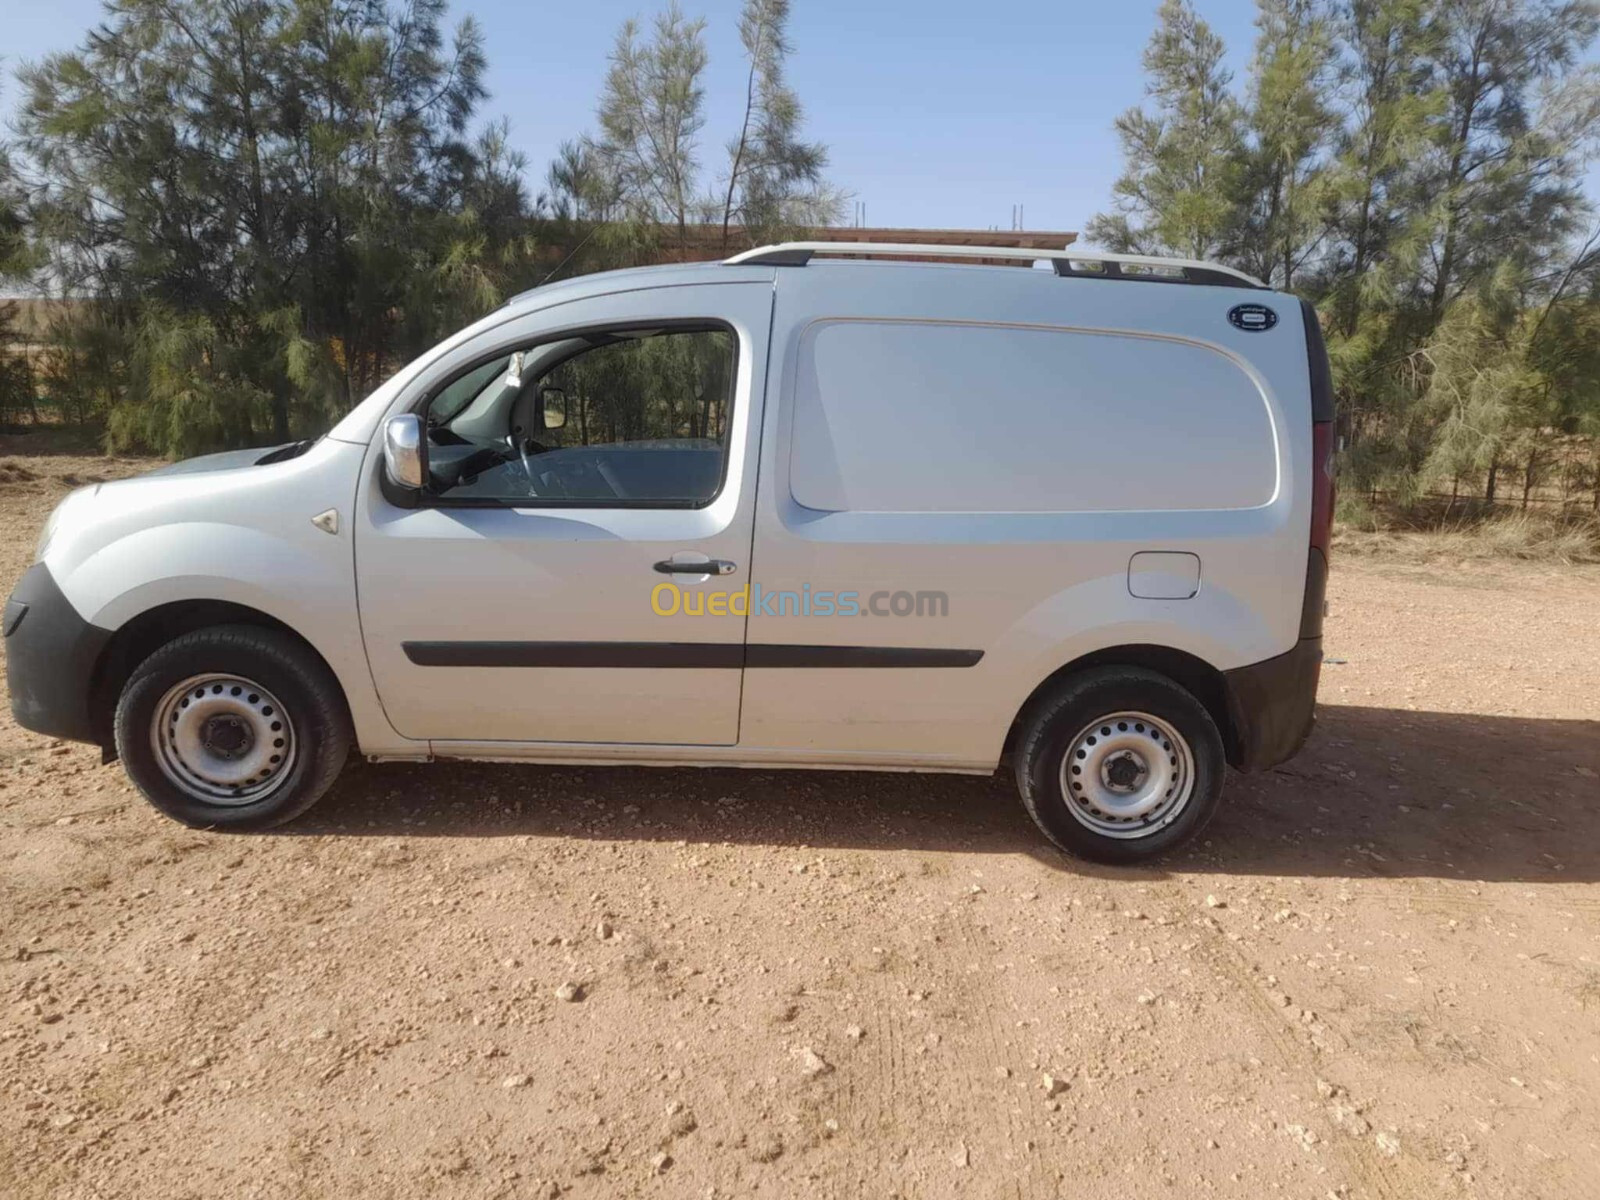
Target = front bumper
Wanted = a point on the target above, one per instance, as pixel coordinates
(1272, 706)
(51, 655)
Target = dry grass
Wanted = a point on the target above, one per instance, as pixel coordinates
(1527, 536)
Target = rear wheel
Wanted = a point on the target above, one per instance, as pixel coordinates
(233, 727)
(1120, 764)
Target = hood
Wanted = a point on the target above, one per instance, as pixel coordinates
(230, 460)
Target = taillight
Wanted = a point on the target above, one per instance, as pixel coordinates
(1322, 485)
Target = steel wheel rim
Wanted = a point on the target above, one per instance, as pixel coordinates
(1127, 775)
(222, 739)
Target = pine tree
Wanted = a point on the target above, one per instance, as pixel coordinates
(269, 201)
(1178, 191)
(1386, 72)
(774, 179)
(1503, 180)
(1285, 180)
(652, 108)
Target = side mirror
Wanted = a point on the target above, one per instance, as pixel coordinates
(553, 402)
(405, 451)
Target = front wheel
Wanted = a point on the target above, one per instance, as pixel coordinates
(233, 727)
(1120, 764)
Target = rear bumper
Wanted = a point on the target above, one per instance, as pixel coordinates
(1272, 706)
(51, 654)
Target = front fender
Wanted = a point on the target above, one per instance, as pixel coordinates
(240, 536)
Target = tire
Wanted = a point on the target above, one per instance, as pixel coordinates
(255, 728)
(1119, 765)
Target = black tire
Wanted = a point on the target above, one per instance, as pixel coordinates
(1057, 721)
(313, 704)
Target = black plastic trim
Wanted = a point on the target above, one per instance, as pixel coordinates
(1316, 594)
(702, 655)
(576, 654)
(1063, 266)
(50, 660)
(1113, 270)
(1272, 706)
(777, 655)
(776, 258)
(15, 611)
(1317, 358)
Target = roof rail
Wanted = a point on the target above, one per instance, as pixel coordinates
(1085, 264)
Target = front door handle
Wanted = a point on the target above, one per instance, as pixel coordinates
(712, 566)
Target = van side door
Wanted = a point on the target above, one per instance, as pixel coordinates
(582, 458)
(960, 467)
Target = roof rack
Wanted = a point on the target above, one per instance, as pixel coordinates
(1084, 264)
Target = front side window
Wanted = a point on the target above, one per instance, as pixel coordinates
(612, 418)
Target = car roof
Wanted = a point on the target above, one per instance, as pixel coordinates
(624, 279)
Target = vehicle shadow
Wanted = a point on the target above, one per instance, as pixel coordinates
(1376, 792)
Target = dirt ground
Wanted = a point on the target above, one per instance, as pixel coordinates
(1379, 976)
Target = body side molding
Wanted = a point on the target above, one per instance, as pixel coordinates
(701, 655)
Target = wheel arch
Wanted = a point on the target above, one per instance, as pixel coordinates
(1204, 681)
(146, 632)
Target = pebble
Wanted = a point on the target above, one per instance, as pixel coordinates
(570, 992)
(854, 1032)
(514, 1081)
(1054, 1085)
(812, 1063)
(1213, 902)
(660, 1162)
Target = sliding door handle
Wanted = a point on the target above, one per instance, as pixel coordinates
(712, 566)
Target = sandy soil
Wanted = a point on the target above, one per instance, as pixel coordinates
(1379, 976)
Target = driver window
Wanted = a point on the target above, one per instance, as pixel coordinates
(609, 419)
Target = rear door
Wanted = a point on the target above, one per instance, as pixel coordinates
(960, 467)
(519, 603)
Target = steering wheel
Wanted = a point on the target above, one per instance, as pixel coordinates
(521, 446)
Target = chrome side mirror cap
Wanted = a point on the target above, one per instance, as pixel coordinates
(405, 451)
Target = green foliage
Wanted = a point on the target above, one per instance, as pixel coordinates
(18, 386)
(1184, 157)
(271, 201)
(775, 182)
(1412, 166)
(1480, 392)
(672, 386)
(17, 383)
(259, 208)
(1286, 183)
(651, 111)
(189, 388)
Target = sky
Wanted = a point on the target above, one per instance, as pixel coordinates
(936, 113)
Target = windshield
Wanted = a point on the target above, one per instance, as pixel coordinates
(454, 399)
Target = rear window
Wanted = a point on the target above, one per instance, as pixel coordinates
(929, 417)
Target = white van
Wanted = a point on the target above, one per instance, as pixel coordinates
(783, 511)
